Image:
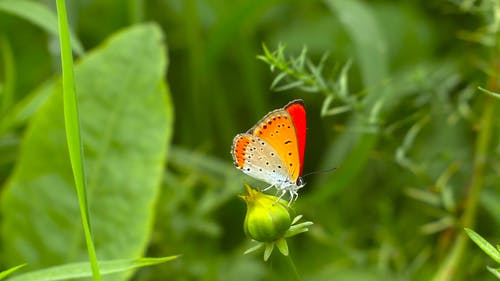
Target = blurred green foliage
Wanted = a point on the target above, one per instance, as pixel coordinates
(417, 153)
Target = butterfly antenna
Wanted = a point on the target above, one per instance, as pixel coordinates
(320, 172)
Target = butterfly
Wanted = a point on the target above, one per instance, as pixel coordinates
(273, 150)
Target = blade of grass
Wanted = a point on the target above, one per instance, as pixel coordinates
(81, 269)
(72, 124)
(9, 271)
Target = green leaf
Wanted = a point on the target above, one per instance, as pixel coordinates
(282, 246)
(494, 271)
(278, 79)
(296, 219)
(40, 15)
(268, 250)
(82, 269)
(291, 85)
(126, 118)
(254, 248)
(490, 93)
(9, 271)
(483, 244)
(298, 229)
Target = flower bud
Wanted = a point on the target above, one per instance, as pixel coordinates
(267, 218)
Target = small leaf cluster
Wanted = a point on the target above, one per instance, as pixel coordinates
(302, 74)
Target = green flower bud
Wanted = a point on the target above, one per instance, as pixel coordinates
(267, 218)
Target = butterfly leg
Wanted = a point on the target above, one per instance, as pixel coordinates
(268, 187)
(292, 197)
(283, 191)
(295, 195)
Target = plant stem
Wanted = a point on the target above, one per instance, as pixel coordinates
(291, 264)
(452, 261)
(73, 136)
(135, 11)
(9, 75)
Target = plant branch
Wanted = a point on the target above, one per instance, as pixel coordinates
(452, 261)
(293, 270)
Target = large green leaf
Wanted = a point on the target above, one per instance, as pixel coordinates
(126, 118)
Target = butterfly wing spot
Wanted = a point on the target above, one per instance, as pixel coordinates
(240, 144)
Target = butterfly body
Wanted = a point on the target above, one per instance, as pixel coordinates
(273, 149)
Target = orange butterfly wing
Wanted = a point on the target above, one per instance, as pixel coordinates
(279, 129)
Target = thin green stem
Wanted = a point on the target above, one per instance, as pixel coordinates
(293, 268)
(135, 11)
(452, 262)
(73, 137)
(9, 271)
(9, 75)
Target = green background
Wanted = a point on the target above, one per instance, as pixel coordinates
(165, 85)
